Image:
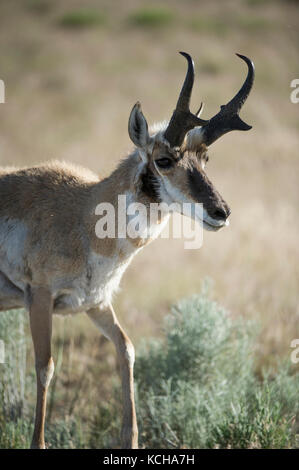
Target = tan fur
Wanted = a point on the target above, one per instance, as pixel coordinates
(51, 260)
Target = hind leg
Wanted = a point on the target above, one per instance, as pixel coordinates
(108, 324)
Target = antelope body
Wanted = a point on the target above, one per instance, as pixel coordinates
(51, 260)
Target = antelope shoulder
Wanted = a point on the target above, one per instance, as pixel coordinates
(45, 232)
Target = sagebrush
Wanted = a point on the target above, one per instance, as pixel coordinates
(196, 387)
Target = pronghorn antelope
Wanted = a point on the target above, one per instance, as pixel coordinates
(51, 260)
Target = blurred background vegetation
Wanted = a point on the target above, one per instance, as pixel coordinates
(72, 74)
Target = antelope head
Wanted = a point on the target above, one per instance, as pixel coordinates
(174, 159)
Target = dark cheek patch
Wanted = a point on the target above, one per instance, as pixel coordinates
(150, 185)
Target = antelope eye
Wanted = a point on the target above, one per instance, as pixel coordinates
(164, 162)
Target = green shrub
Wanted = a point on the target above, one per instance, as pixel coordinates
(15, 434)
(151, 17)
(82, 18)
(13, 429)
(16, 420)
(197, 387)
(13, 371)
(65, 434)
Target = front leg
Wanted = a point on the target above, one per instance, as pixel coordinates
(108, 324)
(40, 309)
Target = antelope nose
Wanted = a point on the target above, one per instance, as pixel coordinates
(221, 214)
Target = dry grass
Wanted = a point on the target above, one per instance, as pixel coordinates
(69, 93)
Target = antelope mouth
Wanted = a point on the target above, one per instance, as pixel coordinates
(214, 226)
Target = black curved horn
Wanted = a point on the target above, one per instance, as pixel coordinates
(182, 119)
(228, 118)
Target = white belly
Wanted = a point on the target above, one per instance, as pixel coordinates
(94, 286)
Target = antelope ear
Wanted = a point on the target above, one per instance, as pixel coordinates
(138, 128)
